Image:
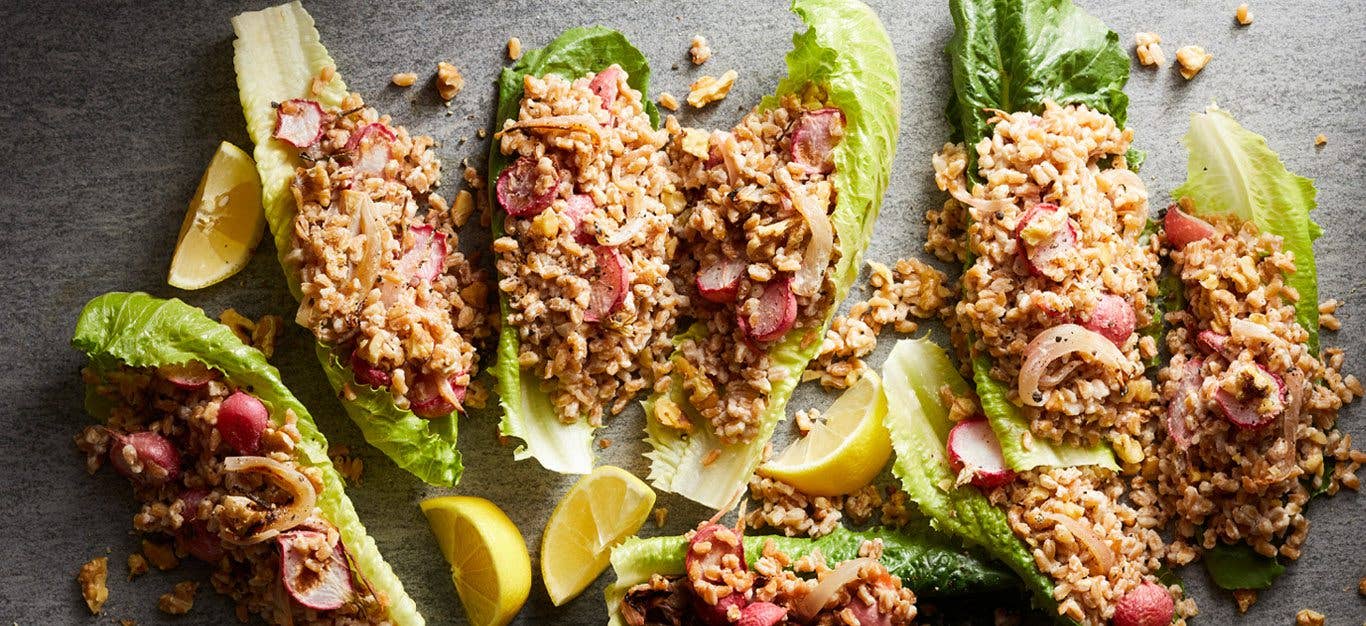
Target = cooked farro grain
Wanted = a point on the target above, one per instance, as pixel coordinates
(92, 578)
(668, 101)
(1191, 60)
(782, 507)
(179, 600)
(1320, 139)
(709, 89)
(404, 79)
(1148, 48)
(449, 82)
(1309, 617)
(1243, 14)
(613, 200)
(514, 48)
(700, 50)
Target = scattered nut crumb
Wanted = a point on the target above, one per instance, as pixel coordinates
(661, 515)
(239, 324)
(1148, 49)
(1320, 139)
(348, 466)
(137, 565)
(668, 101)
(133, 622)
(1308, 617)
(180, 599)
(464, 208)
(404, 79)
(514, 48)
(267, 332)
(807, 419)
(1361, 586)
(1192, 59)
(476, 394)
(699, 51)
(160, 555)
(92, 578)
(671, 416)
(483, 132)
(605, 443)
(1245, 599)
(1243, 15)
(709, 89)
(322, 80)
(695, 142)
(449, 82)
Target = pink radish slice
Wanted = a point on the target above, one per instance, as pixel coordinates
(369, 147)
(814, 137)
(159, 459)
(194, 533)
(777, 311)
(190, 375)
(868, 615)
(1113, 318)
(1244, 413)
(426, 400)
(714, 157)
(609, 287)
(694, 563)
(718, 614)
(1211, 342)
(517, 189)
(766, 614)
(576, 208)
(241, 420)
(299, 123)
(1148, 604)
(1041, 257)
(973, 444)
(368, 373)
(720, 281)
(426, 260)
(605, 86)
(326, 590)
(1177, 409)
(1182, 228)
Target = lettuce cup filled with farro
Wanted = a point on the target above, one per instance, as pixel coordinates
(228, 466)
(716, 575)
(582, 240)
(780, 210)
(1251, 401)
(368, 246)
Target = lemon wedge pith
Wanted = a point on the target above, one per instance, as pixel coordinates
(489, 562)
(223, 224)
(844, 451)
(598, 512)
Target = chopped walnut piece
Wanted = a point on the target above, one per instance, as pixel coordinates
(404, 79)
(1320, 139)
(180, 599)
(1245, 599)
(239, 324)
(1361, 586)
(670, 415)
(1243, 14)
(514, 48)
(449, 82)
(348, 466)
(160, 555)
(137, 565)
(668, 101)
(1192, 59)
(92, 578)
(700, 51)
(464, 208)
(709, 89)
(1149, 50)
(266, 334)
(1309, 617)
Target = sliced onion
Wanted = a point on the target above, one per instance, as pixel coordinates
(1105, 559)
(1246, 329)
(811, 604)
(1058, 342)
(628, 231)
(729, 148)
(584, 123)
(303, 498)
(376, 232)
(816, 258)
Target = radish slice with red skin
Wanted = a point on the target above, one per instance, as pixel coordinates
(1187, 397)
(868, 615)
(1244, 413)
(1113, 318)
(576, 208)
(369, 146)
(814, 137)
(1040, 258)
(299, 123)
(1148, 604)
(194, 534)
(1059, 342)
(190, 375)
(367, 373)
(242, 418)
(157, 456)
(426, 399)
(604, 84)
(694, 562)
(973, 445)
(718, 614)
(719, 281)
(426, 259)
(321, 591)
(1183, 228)
(767, 614)
(776, 313)
(609, 287)
(714, 157)
(516, 189)
(1211, 342)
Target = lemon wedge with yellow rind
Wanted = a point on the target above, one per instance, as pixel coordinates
(223, 224)
(600, 511)
(843, 452)
(488, 558)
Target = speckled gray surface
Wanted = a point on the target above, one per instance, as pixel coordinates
(111, 111)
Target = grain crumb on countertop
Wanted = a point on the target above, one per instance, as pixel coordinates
(709, 89)
(449, 82)
(180, 599)
(514, 48)
(700, 51)
(1244, 15)
(1309, 617)
(1320, 139)
(1245, 599)
(351, 468)
(160, 555)
(668, 101)
(1361, 586)
(1148, 48)
(137, 565)
(92, 578)
(605, 443)
(661, 516)
(404, 79)
(1192, 59)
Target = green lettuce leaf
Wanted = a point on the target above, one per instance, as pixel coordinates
(528, 413)
(142, 331)
(919, 424)
(277, 55)
(1232, 171)
(1240, 567)
(1010, 427)
(845, 51)
(928, 563)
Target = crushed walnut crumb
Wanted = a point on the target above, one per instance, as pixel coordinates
(261, 334)
(806, 420)
(463, 209)
(1243, 14)
(404, 79)
(1309, 617)
(180, 599)
(92, 578)
(1361, 586)
(709, 89)
(668, 101)
(1148, 48)
(1320, 139)
(137, 565)
(348, 466)
(700, 50)
(514, 48)
(661, 516)
(1245, 598)
(160, 555)
(1192, 59)
(449, 82)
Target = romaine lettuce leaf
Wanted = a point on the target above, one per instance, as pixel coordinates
(142, 331)
(1231, 170)
(278, 55)
(1010, 428)
(919, 424)
(845, 51)
(527, 411)
(927, 562)
(1240, 567)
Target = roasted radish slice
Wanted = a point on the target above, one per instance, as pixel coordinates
(299, 123)
(1186, 402)
(144, 457)
(776, 313)
(426, 259)
(814, 136)
(369, 148)
(241, 420)
(973, 448)
(605, 85)
(610, 285)
(707, 550)
(1148, 604)
(517, 189)
(1211, 342)
(322, 589)
(767, 614)
(719, 281)
(868, 614)
(1259, 397)
(1182, 228)
(1046, 236)
(427, 397)
(576, 208)
(190, 375)
(1113, 318)
(368, 373)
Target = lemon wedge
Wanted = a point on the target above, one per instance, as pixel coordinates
(845, 451)
(489, 563)
(599, 512)
(223, 224)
